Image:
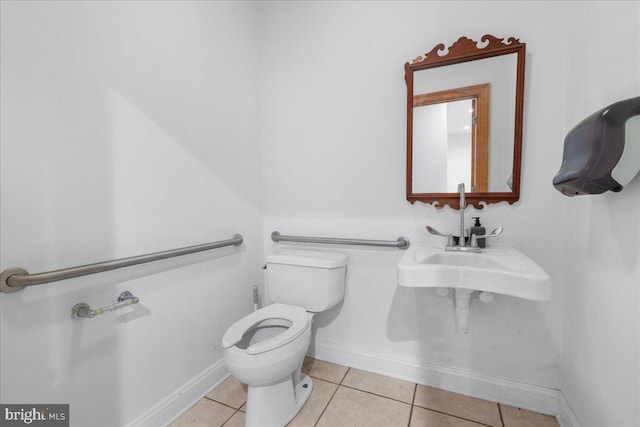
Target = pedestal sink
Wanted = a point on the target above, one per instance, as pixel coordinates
(500, 270)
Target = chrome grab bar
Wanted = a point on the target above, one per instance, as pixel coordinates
(15, 279)
(83, 311)
(401, 243)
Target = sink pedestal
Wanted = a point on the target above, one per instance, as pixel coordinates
(463, 302)
(462, 299)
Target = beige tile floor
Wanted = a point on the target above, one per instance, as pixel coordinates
(345, 396)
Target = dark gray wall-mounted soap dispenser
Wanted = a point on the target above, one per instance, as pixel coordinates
(602, 152)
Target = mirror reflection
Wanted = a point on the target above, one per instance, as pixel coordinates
(450, 139)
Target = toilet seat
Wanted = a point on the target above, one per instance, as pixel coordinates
(297, 316)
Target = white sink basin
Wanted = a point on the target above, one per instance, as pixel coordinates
(499, 270)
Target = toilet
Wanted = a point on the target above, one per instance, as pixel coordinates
(266, 348)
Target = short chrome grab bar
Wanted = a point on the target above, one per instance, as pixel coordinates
(14, 279)
(401, 243)
(83, 311)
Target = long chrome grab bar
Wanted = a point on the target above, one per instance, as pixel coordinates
(15, 279)
(83, 311)
(401, 243)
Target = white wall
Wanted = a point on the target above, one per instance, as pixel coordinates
(333, 125)
(127, 128)
(601, 310)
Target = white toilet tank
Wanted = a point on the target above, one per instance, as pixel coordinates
(313, 280)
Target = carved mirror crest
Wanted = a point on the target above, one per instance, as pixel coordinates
(464, 122)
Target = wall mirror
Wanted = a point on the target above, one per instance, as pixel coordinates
(464, 122)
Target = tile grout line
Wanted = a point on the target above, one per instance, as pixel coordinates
(324, 379)
(229, 419)
(376, 394)
(345, 375)
(501, 417)
(480, 423)
(224, 404)
(413, 399)
(329, 402)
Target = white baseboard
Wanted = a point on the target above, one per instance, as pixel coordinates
(566, 417)
(526, 396)
(182, 399)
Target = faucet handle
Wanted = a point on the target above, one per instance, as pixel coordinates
(475, 237)
(435, 232)
(450, 241)
(495, 232)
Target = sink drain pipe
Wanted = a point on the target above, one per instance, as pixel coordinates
(463, 302)
(463, 305)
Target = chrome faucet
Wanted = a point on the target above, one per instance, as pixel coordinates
(462, 244)
(461, 240)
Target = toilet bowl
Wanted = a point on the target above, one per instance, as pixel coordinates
(266, 348)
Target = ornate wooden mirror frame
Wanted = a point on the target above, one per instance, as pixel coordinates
(465, 50)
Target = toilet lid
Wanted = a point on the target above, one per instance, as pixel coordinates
(297, 316)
